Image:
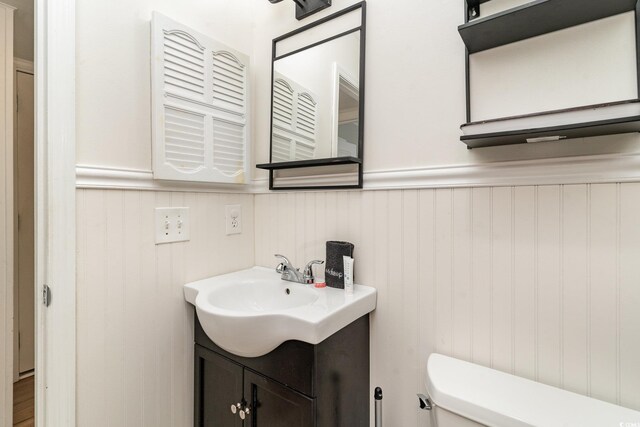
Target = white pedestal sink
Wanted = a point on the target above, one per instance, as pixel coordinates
(251, 312)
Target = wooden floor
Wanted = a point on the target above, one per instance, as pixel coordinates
(23, 402)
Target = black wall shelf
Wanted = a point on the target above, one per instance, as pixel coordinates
(534, 19)
(581, 130)
(311, 163)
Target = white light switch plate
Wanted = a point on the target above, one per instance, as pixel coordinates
(172, 225)
(233, 219)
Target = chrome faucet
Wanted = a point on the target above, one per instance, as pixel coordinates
(292, 274)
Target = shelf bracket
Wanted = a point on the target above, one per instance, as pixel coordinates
(473, 9)
(306, 8)
(473, 12)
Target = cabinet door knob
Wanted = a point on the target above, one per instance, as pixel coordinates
(244, 412)
(234, 408)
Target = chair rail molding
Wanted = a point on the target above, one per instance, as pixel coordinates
(113, 178)
(590, 169)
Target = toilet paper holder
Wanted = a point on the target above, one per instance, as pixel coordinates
(425, 403)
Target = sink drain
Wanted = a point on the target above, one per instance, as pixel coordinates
(288, 291)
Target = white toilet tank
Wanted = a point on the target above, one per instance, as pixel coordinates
(468, 395)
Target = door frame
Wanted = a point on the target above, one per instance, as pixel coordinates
(55, 212)
(55, 209)
(6, 218)
(19, 66)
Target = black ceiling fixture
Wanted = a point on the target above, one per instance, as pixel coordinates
(306, 8)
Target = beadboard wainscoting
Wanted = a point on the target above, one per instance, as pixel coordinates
(539, 281)
(135, 331)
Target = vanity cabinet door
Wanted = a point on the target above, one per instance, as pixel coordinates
(274, 405)
(218, 385)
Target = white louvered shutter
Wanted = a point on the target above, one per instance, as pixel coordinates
(294, 121)
(306, 117)
(282, 147)
(199, 106)
(282, 104)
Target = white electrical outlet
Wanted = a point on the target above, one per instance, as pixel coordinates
(233, 219)
(172, 225)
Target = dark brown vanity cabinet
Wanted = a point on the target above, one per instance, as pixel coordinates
(276, 405)
(219, 384)
(296, 385)
(224, 384)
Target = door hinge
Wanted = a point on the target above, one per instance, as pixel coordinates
(19, 341)
(46, 295)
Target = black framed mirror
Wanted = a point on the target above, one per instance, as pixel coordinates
(317, 104)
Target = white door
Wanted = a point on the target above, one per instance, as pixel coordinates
(24, 197)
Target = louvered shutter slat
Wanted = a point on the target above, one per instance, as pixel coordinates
(225, 136)
(283, 103)
(280, 149)
(183, 63)
(229, 81)
(180, 154)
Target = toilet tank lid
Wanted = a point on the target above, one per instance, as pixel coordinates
(495, 398)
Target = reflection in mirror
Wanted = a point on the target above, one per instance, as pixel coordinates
(346, 110)
(316, 101)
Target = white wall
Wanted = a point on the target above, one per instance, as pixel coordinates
(414, 88)
(113, 70)
(537, 281)
(135, 330)
(541, 282)
(583, 65)
(415, 95)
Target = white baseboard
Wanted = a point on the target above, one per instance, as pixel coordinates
(564, 170)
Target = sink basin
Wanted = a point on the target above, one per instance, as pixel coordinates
(259, 296)
(251, 312)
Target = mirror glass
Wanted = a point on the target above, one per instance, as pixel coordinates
(316, 101)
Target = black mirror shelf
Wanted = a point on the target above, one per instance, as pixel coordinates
(533, 19)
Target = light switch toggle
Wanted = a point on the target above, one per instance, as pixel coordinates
(172, 225)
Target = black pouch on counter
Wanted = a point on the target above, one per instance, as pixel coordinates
(334, 267)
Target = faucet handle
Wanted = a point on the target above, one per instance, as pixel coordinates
(284, 259)
(310, 263)
(308, 271)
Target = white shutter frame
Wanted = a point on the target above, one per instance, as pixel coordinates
(200, 106)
